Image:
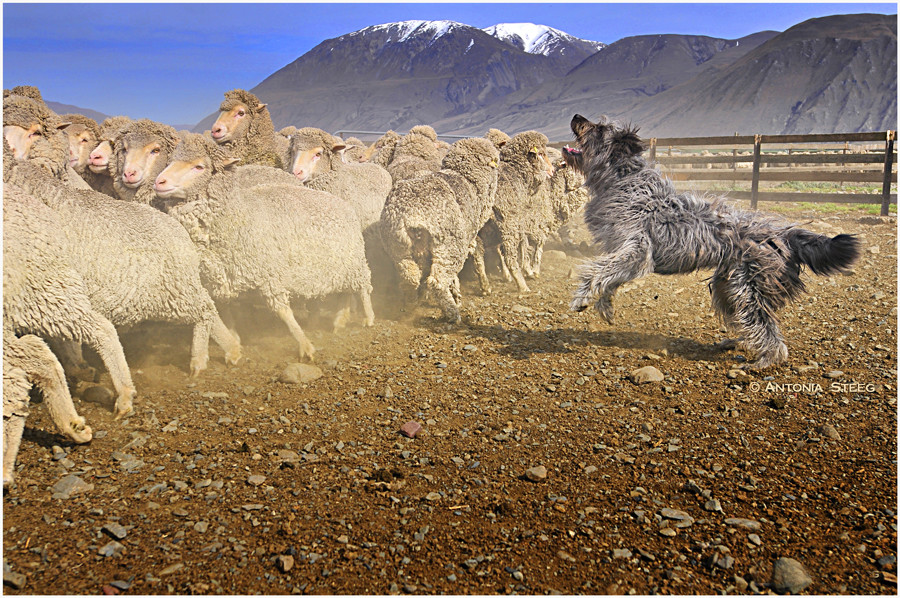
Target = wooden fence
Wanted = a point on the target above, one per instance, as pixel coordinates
(840, 157)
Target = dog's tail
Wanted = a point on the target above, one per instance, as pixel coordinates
(821, 254)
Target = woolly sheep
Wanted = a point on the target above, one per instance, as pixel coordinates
(497, 137)
(137, 263)
(381, 152)
(141, 150)
(523, 181)
(84, 135)
(316, 161)
(353, 151)
(244, 127)
(417, 152)
(290, 241)
(27, 363)
(42, 292)
(429, 224)
(565, 198)
(98, 161)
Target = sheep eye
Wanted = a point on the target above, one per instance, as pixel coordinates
(240, 113)
(198, 167)
(34, 134)
(154, 151)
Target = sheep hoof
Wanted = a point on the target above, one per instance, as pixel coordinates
(79, 432)
(233, 357)
(124, 406)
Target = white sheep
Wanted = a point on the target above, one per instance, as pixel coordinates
(141, 149)
(137, 263)
(418, 152)
(281, 240)
(525, 171)
(244, 128)
(27, 363)
(42, 292)
(430, 224)
(381, 151)
(101, 178)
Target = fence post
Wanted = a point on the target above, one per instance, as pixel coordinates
(653, 151)
(888, 165)
(754, 185)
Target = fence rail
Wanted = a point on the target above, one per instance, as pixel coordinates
(824, 158)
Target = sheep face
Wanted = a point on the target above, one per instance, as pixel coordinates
(308, 162)
(140, 158)
(179, 177)
(232, 124)
(21, 139)
(81, 144)
(98, 160)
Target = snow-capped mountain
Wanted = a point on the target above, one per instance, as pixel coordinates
(540, 39)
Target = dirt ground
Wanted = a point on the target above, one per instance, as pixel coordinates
(239, 483)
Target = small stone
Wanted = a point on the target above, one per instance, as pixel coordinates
(536, 474)
(121, 584)
(470, 348)
(109, 590)
(115, 530)
(747, 524)
(112, 548)
(668, 532)
(828, 431)
(171, 569)
(256, 480)
(70, 485)
(98, 394)
(433, 496)
(713, 505)
(201, 526)
(562, 554)
(621, 553)
(284, 562)
(646, 374)
(886, 563)
(789, 576)
(755, 539)
(410, 429)
(14, 580)
(517, 575)
(300, 373)
(590, 469)
(834, 374)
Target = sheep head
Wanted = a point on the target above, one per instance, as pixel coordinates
(497, 137)
(141, 151)
(194, 162)
(529, 147)
(98, 160)
(237, 115)
(83, 135)
(473, 153)
(384, 147)
(25, 120)
(314, 152)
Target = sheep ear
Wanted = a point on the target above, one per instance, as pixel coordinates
(62, 126)
(339, 147)
(260, 107)
(229, 163)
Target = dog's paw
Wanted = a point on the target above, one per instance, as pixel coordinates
(605, 308)
(579, 304)
(729, 344)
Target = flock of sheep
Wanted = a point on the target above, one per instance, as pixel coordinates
(108, 225)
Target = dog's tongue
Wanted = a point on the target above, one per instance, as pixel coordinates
(573, 150)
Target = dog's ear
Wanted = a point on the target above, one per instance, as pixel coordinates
(580, 125)
(627, 141)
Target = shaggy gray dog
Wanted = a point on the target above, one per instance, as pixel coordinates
(645, 226)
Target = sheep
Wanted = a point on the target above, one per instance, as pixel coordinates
(42, 292)
(84, 135)
(523, 181)
(381, 152)
(99, 158)
(137, 263)
(417, 152)
(316, 161)
(429, 224)
(565, 198)
(245, 128)
(281, 240)
(497, 137)
(353, 150)
(27, 363)
(141, 149)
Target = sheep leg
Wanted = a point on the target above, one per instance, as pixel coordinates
(287, 316)
(440, 285)
(226, 339)
(343, 315)
(200, 348)
(102, 337)
(604, 275)
(511, 250)
(365, 296)
(13, 427)
(478, 262)
(45, 372)
(537, 258)
(504, 269)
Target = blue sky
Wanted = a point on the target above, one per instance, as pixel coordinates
(173, 62)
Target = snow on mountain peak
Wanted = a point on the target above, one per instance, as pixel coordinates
(407, 29)
(534, 39)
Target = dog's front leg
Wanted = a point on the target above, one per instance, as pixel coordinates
(601, 278)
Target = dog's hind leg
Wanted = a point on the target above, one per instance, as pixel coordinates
(604, 275)
(754, 308)
(724, 307)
